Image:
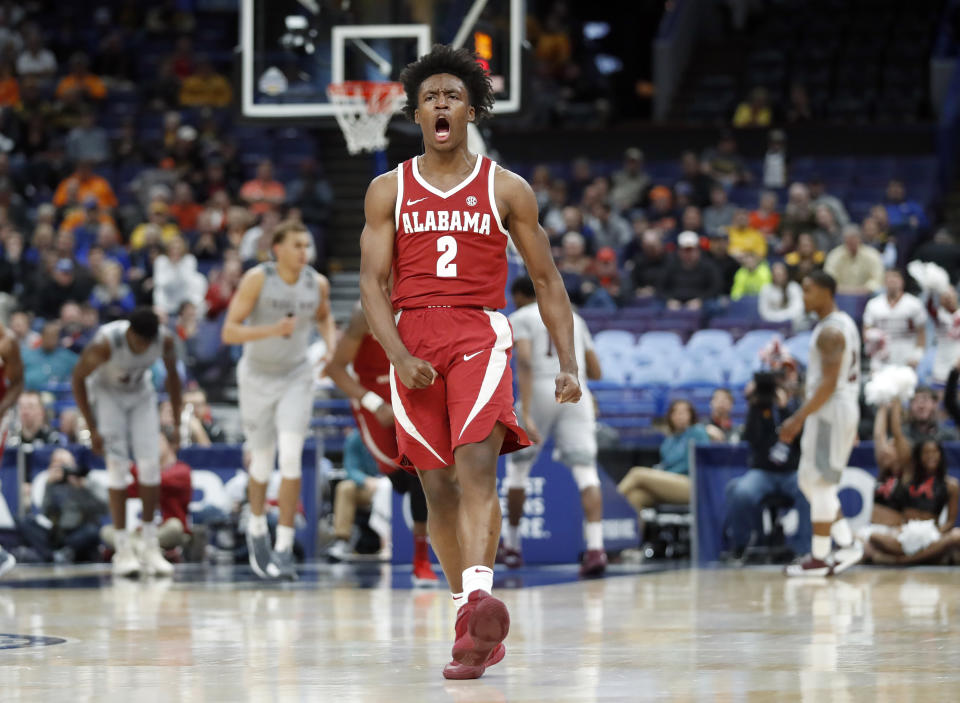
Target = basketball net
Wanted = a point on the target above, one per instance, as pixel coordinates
(363, 110)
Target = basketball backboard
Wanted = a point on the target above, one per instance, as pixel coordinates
(292, 49)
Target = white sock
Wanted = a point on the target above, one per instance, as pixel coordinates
(511, 537)
(477, 578)
(820, 549)
(593, 533)
(257, 525)
(458, 600)
(841, 533)
(284, 538)
(121, 539)
(149, 533)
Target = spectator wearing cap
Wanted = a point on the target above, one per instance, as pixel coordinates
(719, 215)
(158, 229)
(62, 284)
(661, 213)
(263, 192)
(205, 88)
(607, 291)
(689, 280)
(83, 184)
(903, 213)
(751, 277)
(857, 269)
(805, 258)
(744, 239)
(719, 255)
(775, 160)
(629, 182)
(766, 218)
(80, 83)
(817, 190)
(50, 362)
(88, 141)
(754, 112)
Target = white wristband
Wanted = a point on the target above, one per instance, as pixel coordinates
(371, 401)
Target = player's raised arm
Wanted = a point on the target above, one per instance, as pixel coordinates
(95, 355)
(173, 384)
(13, 370)
(234, 331)
(831, 345)
(376, 261)
(325, 322)
(531, 241)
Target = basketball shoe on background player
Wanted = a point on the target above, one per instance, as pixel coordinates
(272, 314)
(113, 388)
(439, 225)
(11, 384)
(573, 427)
(368, 388)
(828, 419)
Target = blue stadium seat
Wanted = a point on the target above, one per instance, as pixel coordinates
(660, 343)
(714, 342)
(799, 347)
(614, 339)
(692, 375)
(753, 341)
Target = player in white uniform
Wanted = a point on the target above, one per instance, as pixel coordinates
(11, 383)
(114, 373)
(272, 314)
(573, 426)
(828, 419)
(903, 320)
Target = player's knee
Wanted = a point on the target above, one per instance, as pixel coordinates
(261, 463)
(586, 476)
(823, 500)
(148, 473)
(117, 471)
(291, 455)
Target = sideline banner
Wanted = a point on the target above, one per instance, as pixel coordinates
(714, 465)
(552, 522)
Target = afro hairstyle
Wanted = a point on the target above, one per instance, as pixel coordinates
(461, 63)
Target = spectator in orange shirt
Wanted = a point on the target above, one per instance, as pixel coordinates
(205, 88)
(83, 184)
(9, 87)
(81, 81)
(766, 218)
(263, 192)
(185, 210)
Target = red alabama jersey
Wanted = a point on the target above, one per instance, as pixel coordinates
(372, 367)
(450, 247)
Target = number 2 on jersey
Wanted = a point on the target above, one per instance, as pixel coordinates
(447, 246)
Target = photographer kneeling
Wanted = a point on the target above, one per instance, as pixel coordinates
(772, 397)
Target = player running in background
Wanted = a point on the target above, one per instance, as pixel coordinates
(11, 384)
(828, 419)
(113, 388)
(573, 427)
(272, 314)
(438, 225)
(369, 391)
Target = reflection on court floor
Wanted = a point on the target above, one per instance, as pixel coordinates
(358, 633)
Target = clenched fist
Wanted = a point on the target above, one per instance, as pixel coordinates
(568, 388)
(415, 373)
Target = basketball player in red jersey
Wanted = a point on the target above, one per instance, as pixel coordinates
(439, 224)
(369, 391)
(11, 383)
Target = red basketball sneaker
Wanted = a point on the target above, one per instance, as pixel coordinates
(482, 625)
(594, 563)
(423, 574)
(511, 558)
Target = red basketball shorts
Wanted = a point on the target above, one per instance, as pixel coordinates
(473, 391)
(380, 441)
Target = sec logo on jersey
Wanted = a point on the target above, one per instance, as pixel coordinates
(471, 200)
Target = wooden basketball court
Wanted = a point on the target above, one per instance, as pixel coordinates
(358, 634)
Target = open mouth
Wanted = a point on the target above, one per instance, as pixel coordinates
(442, 129)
